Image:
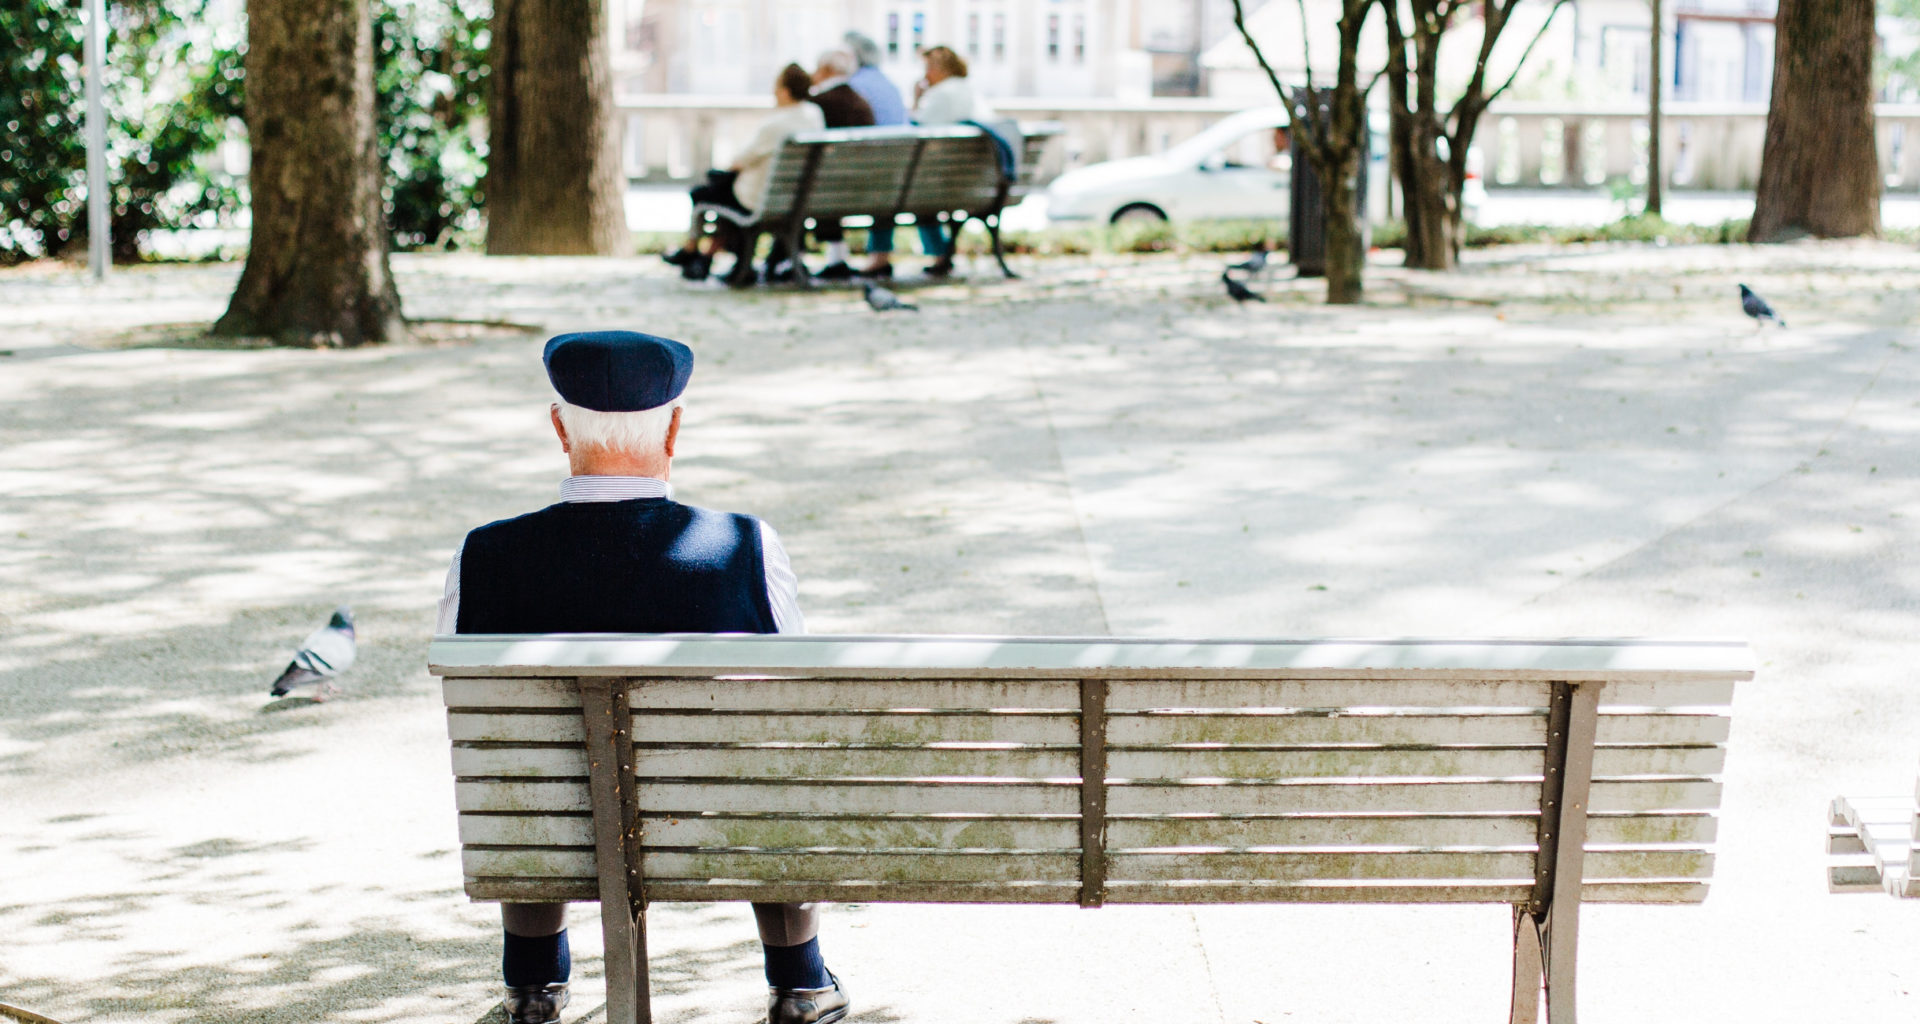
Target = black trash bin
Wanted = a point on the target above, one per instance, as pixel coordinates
(1307, 206)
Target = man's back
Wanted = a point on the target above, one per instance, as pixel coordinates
(646, 565)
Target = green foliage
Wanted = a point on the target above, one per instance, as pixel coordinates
(1897, 70)
(174, 87)
(171, 84)
(430, 86)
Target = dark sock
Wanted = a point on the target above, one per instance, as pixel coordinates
(536, 960)
(796, 966)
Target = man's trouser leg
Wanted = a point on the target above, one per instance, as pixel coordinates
(787, 924)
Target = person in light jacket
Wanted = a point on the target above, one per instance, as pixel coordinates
(944, 96)
(741, 189)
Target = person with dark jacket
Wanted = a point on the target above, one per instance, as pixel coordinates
(842, 107)
(618, 554)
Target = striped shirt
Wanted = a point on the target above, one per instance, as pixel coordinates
(783, 588)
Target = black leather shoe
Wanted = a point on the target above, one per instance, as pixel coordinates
(696, 267)
(835, 271)
(535, 1004)
(808, 1005)
(679, 257)
(942, 267)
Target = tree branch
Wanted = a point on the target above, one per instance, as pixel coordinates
(1528, 52)
(1310, 141)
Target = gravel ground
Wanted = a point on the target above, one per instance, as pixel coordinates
(1585, 441)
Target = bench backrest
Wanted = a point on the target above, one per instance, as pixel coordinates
(893, 170)
(950, 769)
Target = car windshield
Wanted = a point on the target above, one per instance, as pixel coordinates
(1225, 133)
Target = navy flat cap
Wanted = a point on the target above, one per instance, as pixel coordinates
(617, 371)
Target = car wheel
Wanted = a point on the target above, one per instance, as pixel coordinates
(1140, 213)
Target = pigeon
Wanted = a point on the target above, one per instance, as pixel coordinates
(326, 652)
(883, 300)
(1757, 308)
(1255, 262)
(1240, 292)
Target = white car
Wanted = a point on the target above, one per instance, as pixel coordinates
(1230, 170)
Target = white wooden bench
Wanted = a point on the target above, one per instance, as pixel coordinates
(1871, 843)
(635, 769)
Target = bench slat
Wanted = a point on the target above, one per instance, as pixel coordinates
(748, 728)
(1142, 835)
(1399, 762)
(1495, 867)
(1140, 695)
(923, 866)
(577, 862)
(1396, 797)
(1123, 730)
(1137, 730)
(804, 694)
(746, 763)
(844, 798)
(522, 797)
(1383, 830)
(537, 891)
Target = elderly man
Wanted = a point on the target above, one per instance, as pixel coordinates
(619, 555)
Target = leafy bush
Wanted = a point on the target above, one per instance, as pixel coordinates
(430, 82)
(174, 88)
(171, 88)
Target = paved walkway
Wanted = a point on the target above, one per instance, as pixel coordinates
(1573, 442)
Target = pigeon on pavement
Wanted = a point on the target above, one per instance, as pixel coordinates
(1240, 292)
(883, 300)
(1255, 262)
(326, 652)
(1757, 308)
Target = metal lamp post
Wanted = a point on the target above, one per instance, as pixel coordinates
(99, 251)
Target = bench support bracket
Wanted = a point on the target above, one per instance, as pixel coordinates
(1546, 931)
(608, 715)
(1093, 792)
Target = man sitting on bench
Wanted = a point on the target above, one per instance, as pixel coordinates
(619, 555)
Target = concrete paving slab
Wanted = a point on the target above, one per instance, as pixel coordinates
(1547, 442)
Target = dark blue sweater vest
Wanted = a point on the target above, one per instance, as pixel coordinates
(647, 565)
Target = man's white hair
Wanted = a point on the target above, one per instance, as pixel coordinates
(641, 433)
(839, 63)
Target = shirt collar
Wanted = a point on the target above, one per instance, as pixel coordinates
(613, 488)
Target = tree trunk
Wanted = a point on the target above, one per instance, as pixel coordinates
(554, 185)
(1820, 172)
(316, 270)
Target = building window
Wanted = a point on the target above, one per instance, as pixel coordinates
(973, 34)
(999, 37)
(1053, 37)
(919, 31)
(893, 35)
(1079, 39)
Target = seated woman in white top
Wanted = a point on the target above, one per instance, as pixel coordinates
(742, 188)
(945, 96)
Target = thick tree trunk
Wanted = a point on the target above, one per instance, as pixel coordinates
(1820, 173)
(316, 270)
(554, 183)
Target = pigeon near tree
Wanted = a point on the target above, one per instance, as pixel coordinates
(1757, 308)
(1239, 292)
(883, 300)
(324, 654)
(1255, 262)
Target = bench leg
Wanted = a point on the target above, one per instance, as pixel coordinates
(605, 712)
(1529, 969)
(628, 995)
(999, 252)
